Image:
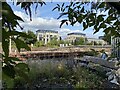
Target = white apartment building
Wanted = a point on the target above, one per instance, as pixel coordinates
(98, 41)
(71, 37)
(47, 35)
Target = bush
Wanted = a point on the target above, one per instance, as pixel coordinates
(79, 41)
(52, 73)
(39, 44)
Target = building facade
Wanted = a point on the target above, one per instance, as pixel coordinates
(47, 35)
(115, 47)
(71, 37)
(101, 37)
(98, 41)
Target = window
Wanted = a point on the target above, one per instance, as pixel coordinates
(40, 38)
(44, 39)
(40, 35)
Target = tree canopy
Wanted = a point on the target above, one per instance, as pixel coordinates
(76, 12)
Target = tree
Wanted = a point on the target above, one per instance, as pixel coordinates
(79, 41)
(39, 43)
(95, 43)
(30, 40)
(53, 42)
(76, 12)
(11, 69)
(107, 38)
(61, 42)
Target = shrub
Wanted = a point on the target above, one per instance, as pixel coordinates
(39, 44)
(50, 73)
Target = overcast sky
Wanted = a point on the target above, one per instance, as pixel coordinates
(47, 19)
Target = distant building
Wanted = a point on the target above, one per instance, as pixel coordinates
(47, 35)
(115, 47)
(71, 37)
(95, 40)
(101, 37)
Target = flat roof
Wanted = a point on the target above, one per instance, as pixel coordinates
(76, 34)
(44, 31)
(94, 38)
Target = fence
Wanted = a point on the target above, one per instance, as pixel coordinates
(115, 47)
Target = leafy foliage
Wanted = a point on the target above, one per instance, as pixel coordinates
(9, 23)
(39, 43)
(107, 37)
(53, 41)
(95, 53)
(76, 12)
(79, 41)
(51, 74)
(31, 40)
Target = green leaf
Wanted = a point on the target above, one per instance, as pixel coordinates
(101, 5)
(57, 7)
(85, 25)
(5, 47)
(18, 3)
(22, 66)
(92, 16)
(100, 18)
(82, 10)
(110, 11)
(63, 4)
(18, 18)
(22, 70)
(110, 18)
(11, 18)
(9, 71)
(72, 23)
(62, 14)
(80, 18)
(91, 24)
(96, 29)
(117, 23)
(21, 44)
(107, 30)
(22, 34)
(5, 43)
(54, 8)
(62, 22)
(14, 58)
(102, 25)
(115, 33)
(8, 81)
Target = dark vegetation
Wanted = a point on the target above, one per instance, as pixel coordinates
(57, 74)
